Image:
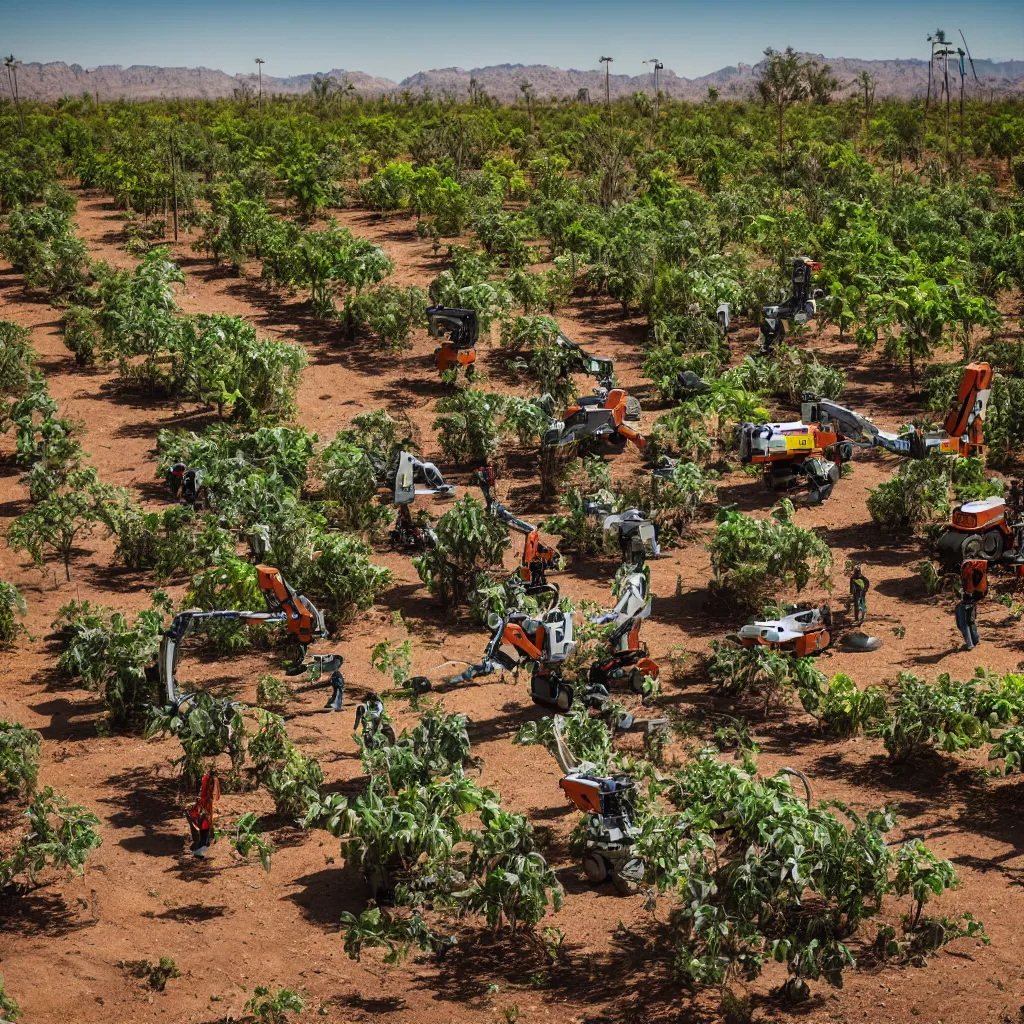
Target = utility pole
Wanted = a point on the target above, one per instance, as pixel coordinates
(259, 68)
(174, 186)
(11, 63)
(658, 66)
(606, 61)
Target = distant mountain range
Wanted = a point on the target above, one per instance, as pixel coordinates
(895, 78)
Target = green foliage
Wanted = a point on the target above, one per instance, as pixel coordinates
(752, 558)
(272, 1006)
(470, 541)
(341, 578)
(944, 715)
(246, 840)
(467, 427)
(19, 760)
(1009, 748)
(761, 875)
(389, 313)
(115, 658)
(11, 604)
(759, 670)
(918, 491)
(329, 264)
(60, 836)
(207, 727)
(16, 358)
(393, 661)
(588, 738)
(156, 976)
(350, 480)
(381, 928)
(53, 526)
(40, 242)
(9, 1009)
(844, 709)
(291, 778)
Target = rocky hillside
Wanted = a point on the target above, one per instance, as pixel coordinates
(897, 78)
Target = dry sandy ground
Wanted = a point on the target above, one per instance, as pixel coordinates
(230, 927)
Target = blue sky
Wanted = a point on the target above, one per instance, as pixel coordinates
(395, 38)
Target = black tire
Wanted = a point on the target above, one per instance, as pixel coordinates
(992, 544)
(387, 730)
(972, 547)
(595, 867)
(563, 699)
(636, 680)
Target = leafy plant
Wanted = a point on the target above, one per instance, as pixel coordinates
(156, 976)
(944, 715)
(19, 759)
(470, 542)
(291, 778)
(11, 603)
(918, 491)
(246, 839)
(54, 525)
(844, 709)
(272, 1006)
(752, 558)
(60, 836)
(17, 357)
(9, 1008)
(206, 727)
(113, 658)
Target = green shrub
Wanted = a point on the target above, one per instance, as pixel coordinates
(19, 759)
(918, 491)
(41, 243)
(60, 836)
(11, 604)
(113, 659)
(390, 313)
(751, 559)
(17, 357)
(944, 715)
(470, 541)
(844, 709)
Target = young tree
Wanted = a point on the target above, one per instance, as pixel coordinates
(782, 83)
(54, 525)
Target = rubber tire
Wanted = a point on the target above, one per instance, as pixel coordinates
(635, 679)
(564, 699)
(595, 867)
(972, 547)
(387, 730)
(992, 545)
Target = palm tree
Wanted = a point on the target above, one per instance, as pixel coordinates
(821, 83)
(782, 83)
(526, 88)
(867, 84)
(320, 86)
(11, 63)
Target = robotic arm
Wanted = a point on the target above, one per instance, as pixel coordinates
(607, 420)
(963, 425)
(303, 620)
(633, 605)
(460, 328)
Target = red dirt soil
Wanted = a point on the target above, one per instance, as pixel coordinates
(230, 926)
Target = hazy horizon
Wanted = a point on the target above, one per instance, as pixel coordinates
(397, 38)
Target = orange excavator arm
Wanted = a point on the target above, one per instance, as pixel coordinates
(967, 417)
